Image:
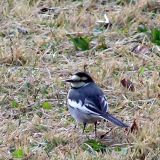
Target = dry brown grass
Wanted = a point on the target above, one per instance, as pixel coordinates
(37, 57)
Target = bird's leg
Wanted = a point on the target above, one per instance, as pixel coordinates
(75, 126)
(95, 129)
(102, 136)
(84, 126)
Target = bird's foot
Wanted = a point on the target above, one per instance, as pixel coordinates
(103, 135)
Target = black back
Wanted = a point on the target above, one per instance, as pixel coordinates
(90, 93)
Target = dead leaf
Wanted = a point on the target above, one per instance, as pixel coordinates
(158, 95)
(17, 58)
(141, 49)
(128, 84)
(142, 157)
(134, 127)
(2, 98)
(44, 9)
(85, 67)
(22, 30)
(107, 23)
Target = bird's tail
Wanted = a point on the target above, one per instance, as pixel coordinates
(114, 120)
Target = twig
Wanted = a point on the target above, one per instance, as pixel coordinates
(12, 53)
(41, 101)
(49, 73)
(121, 144)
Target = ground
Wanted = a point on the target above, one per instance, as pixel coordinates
(43, 42)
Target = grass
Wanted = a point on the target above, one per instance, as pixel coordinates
(37, 54)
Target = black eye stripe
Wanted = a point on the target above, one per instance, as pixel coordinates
(76, 81)
(84, 75)
(79, 81)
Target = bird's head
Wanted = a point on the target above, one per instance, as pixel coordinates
(80, 79)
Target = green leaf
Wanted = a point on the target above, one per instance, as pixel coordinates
(50, 145)
(155, 36)
(80, 43)
(142, 28)
(27, 85)
(95, 145)
(32, 2)
(141, 71)
(14, 104)
(41, 128)
(121, 150)
(46, 105)
(2, 34)
(40, 114)
(124, 2)
(19, 153)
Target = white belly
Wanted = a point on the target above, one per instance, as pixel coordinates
(82, 117)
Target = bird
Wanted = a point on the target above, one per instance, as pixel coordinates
(87, 102)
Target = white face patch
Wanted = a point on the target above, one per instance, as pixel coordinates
(77, 84)
(75, 78)
(83, 78)
(78, 81)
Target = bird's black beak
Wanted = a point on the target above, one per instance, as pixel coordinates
(69, 80)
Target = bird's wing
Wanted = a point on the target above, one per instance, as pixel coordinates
(97, 104)
(82, 107)
(91, 105)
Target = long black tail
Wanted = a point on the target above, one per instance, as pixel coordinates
(114, 120)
